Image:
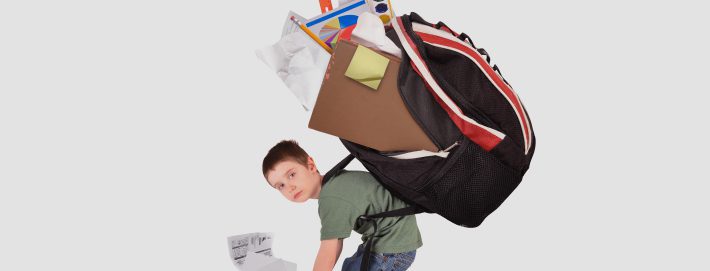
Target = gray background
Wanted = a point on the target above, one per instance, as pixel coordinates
(132, 133)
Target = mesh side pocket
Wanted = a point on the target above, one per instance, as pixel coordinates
(473, 187)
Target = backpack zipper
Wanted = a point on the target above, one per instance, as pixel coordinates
(421, 153)
(456, 143)
(437, 174)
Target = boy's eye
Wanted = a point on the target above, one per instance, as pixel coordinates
(292, 174)
(280, 186)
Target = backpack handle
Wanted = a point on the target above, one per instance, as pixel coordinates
(465, 38)
(441, 25)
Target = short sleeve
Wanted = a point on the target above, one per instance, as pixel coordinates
(337, 217)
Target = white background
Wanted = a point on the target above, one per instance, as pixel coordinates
(132, 134)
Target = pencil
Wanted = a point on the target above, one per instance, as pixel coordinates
(313, 36)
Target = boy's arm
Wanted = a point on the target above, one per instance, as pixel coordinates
(328, 254)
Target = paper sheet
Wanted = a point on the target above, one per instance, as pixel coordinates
(300, 63)
(289, 27)
(240, 245)
(252, 252)
(367, 67)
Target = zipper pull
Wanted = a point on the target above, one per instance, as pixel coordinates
(451, 147)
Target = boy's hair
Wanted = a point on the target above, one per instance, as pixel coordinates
(284, 150)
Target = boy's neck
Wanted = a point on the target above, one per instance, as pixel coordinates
(317, 194)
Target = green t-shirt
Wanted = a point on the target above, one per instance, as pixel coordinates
(351, 194)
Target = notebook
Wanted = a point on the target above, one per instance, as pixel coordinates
(372, 115)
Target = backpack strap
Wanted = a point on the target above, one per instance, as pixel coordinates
(337, 168)
(410, 210)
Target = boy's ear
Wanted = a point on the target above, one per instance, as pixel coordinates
(312, 165)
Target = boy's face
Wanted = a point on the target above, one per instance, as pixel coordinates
(295, 181)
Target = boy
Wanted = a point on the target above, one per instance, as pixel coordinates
(343, 198)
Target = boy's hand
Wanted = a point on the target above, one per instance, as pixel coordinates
(328, 254)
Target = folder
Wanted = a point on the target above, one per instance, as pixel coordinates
(369, 116)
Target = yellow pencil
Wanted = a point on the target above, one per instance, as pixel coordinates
(313, 36)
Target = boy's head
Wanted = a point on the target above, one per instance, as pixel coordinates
(289, 169)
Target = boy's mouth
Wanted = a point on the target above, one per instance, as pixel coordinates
(295, 196)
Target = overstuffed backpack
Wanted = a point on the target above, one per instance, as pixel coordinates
(469, 111)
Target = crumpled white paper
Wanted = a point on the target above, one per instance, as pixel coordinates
(370, 32)
(300, 63)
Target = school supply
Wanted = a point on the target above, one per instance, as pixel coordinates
(289, 27)
(302, 71)
(325, 6)
(328, 26)
(300, 63)
(383, 10)
(372, 116)
(464, 105)
(310, 34)
(367, 67)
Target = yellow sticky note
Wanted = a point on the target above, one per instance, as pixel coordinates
(367, 67)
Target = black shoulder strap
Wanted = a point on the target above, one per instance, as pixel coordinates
(410, 210)
(337, 168)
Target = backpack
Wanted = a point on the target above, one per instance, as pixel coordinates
(466, 108)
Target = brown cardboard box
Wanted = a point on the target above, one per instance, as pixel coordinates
(374, 118)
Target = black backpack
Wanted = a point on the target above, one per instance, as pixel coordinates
(465, 107)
